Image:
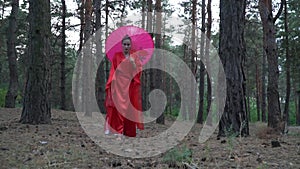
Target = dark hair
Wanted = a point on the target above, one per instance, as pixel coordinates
(126, 37)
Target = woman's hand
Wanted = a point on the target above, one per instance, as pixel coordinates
(131, 59)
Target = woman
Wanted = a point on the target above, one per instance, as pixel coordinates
(124, 80)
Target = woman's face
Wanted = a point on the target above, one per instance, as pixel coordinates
(126, 44)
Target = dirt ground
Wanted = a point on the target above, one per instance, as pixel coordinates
(64, 144)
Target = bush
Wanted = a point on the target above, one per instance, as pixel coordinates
(178, 155)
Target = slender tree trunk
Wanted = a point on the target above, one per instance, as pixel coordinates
(78, 72)
(107, 67)
(257, 92)
(274, 112)
(192, 110)
(298, 108)
(100, 78)
(207, 50)
(87, 60)
(232, 53)
(81, 9)
(158, 45)
(149, 74)
(145, 86)
(63, 59)
(12, 93)
(143, 13)
(202, 67)
(36, 107)
(287, 65)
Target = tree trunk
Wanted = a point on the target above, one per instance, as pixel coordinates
(12, 93)
(87, 60)
(274, 112)
(78, 71)
(106, 35)
(63, 59)
(257, 92)
(36, 108)
(191, 108)
(143, 13)
(287, 65)
(100, 79)
(298, 109)
(263, 89)
(207, 50)
(158, 41)
(149, 74)
(232, 53)
(202, 67)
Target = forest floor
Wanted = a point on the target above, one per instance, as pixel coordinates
(64, 144)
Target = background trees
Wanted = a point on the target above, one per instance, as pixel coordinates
(279, 72)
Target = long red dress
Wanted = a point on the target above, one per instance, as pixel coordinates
(121, 117)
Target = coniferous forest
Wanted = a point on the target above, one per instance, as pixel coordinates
(227, 73)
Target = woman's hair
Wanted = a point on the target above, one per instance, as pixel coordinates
(126, 37)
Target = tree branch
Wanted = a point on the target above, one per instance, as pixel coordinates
(279, 11)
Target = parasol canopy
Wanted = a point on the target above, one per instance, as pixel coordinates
(141, 42)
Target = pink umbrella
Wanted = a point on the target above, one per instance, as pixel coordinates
(142, 43)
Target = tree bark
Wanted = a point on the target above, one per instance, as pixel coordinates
(158, 41)
(12, 93)
(207, 50)
(87, 60)
(78, 71)
(298, 108)
(143, 13)
(257, 92)
(192, 110)
(287, 65)
(100, 82)
(274, 112)
(202, 67)
(63, 59)
(232, 53)
(263, 89)
(36, 108)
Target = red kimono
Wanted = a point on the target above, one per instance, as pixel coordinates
(123, 96)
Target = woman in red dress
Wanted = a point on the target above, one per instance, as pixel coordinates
(123, 93)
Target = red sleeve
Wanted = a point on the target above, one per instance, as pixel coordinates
(138, 72)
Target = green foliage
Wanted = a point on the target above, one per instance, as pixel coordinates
(175, 155)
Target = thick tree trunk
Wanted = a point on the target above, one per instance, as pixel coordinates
(274, 112)
(63, 59)
(36, 108)
(263, 90)
(232, 53)
(12, 93)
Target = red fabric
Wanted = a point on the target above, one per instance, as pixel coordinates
(124, 78)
